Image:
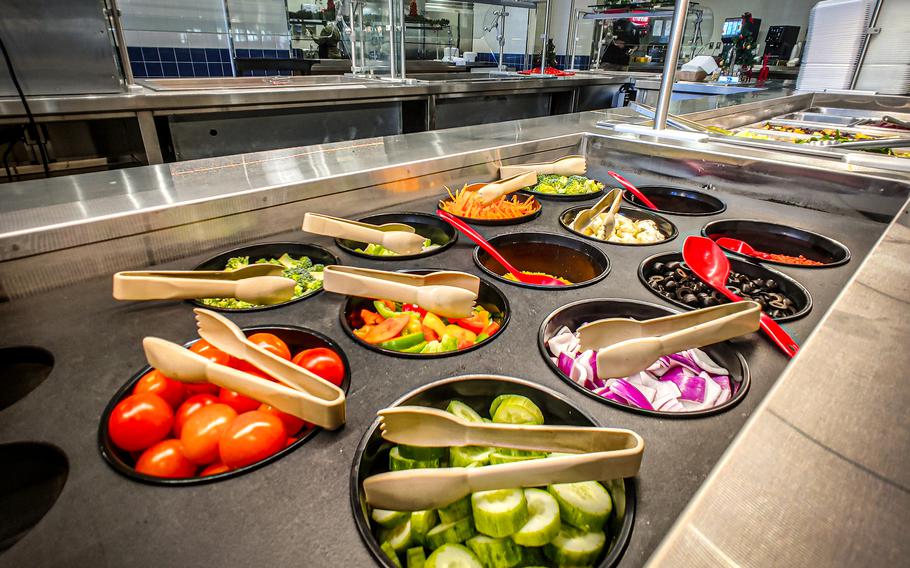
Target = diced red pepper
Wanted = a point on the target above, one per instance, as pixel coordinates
(492, 328)
(414, 308)
(387, 329)
(371, 318)
(389, 304)
(363, 331)
(475, 323)
(429, 334)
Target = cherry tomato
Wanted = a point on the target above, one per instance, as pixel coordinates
(237, 401)
(173, 392)
(323, 362)
(201, 388)
(204, 348)
(140, 420)
(247, 367)
(251, 437)
(166, 459)
(214, 469)
(290, 442)
(271, 343)
(189, 407)
(292, 424)
(202, 430)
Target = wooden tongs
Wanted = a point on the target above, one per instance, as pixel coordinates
(449, 294)
(256, 284)
(602, 454)
(396, 237)
(566, 166)
(490, 192)
(626, 346)
(300, 392)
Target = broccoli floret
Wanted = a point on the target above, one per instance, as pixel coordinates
(304, 262)
(237, 262)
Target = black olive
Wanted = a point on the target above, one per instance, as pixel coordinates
(669, 283)
(778, 305)
(708, 301)
(658, 267)
(690, 299)
(747, 288)
(673, 265)
(771, 284)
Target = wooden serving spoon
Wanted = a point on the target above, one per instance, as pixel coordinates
(565, 166)
(255, 290)
(401, 242)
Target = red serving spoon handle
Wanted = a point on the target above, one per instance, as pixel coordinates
(481, 242)
(771, 328)
(626, 184)
(741, 247)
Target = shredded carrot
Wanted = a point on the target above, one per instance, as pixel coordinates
(465, 204)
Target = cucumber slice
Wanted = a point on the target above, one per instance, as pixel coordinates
(574, 547)
(532, 557)
(387, 518)
(469, 456)
(456, 532)
(499, 513)
(421, 453)
(422, 522)
(456, 511)
(463, 411)
(400, 536)
(416, 557)
(397, 462)
(515, 409)
(452, 556)
(390, 552)
(585, 505)
(498, 457)
(495, 552)
(544, 524)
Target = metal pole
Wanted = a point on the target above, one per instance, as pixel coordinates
(546, 33)
(502, 36)
(866, 40)
(401, 71)
(353, 37)
(572, 40)
(672, 57)
(121, 43)
(393, 62)
(363, 38)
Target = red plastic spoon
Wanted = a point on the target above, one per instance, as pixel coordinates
(466, 230)
(635, 191)
(710, 264)
(741, 247)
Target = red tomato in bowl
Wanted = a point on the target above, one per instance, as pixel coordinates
(292, 424)
(202, 430)
(250, 438)
(173, 392)
(189, 407)
(237, 401)
(166, 459)
(323, 362)
(204, 348)
(201, 388)
(271, 343)
(214, 469)
(140, 420)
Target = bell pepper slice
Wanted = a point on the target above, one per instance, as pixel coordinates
(416, 348)
(413, 308)
(387, 329)
(384, 309)
(370, 318)
(362, 332)
(476, 323)
(461, 334)
(448, 343)
(491, 329)
(433, 322)
(428, 333)
(403, 342)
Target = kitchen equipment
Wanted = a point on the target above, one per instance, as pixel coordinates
(709, 263)
(255, 290)
(394, 239)
(632, 189)
(536, 279)
(606, 453)
(612, 200)
(741, 247)
(626, 346)
(565, 166)
(449, 294)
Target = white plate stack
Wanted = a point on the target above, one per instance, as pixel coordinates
(886, 68)
(837, 29)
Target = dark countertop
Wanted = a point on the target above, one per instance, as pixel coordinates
(296, 511)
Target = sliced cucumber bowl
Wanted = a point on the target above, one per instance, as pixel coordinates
(576, 524)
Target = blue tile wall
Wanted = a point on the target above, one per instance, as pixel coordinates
(179, 62)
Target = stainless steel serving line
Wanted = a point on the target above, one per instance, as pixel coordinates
(60, 239)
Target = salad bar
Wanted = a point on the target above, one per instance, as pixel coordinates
(133, 459)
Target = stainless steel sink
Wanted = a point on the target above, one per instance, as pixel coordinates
(228, 83)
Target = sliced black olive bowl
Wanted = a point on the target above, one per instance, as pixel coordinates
(425, 225)
(502, 222)
(488, 296)
(780, 239)
(478, 391)
(789, 287)
(316, 253)
(297, 339)
(576, 314)
(579, 262)
(677, 200)
(666, 227)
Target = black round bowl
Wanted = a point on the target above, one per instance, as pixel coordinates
(488, 296)
(372, 454)
(580, 263)
(33, 476)
(780, 239)
(677, 201)
(585, 311)
(501, 222)
(297, 339)
(666, 227)
(425, 225)
(788, 286)
(316, 253)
